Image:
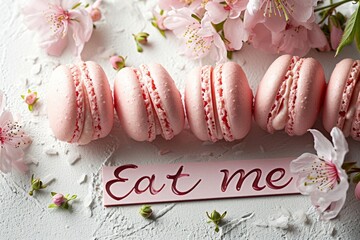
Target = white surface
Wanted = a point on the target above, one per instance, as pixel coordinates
(23, 65)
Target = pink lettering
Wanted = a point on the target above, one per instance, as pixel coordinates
(242, 177)
(270, 181)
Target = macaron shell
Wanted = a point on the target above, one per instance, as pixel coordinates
(170, 97)
(334, 93)
(104, 100)
(130, 105)
(268, 88)
(238, 99)
(61, 103)
(311, 87)
(194, 105)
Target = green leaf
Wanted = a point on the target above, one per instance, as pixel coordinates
(53, 205)
(350, 29)
(65, 205)
(73, 197)
(53, 193)
(76, 5)
(356, 178)
(357, 34)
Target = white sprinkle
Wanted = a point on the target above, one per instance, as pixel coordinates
(31, 160)
(48, 179)
(88, 200)
(300, 217)
(281, 222)
(82, 179)
(73, 159)
(36, 69)
(51, 152)
(261, 223)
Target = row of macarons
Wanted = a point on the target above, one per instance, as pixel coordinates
(219, 103)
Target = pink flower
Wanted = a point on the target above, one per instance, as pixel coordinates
(13, 141)
(284, 26)
(117, 62)
(58, 23)
(300, 11)
(200, 38)
(321, 175)
(357, 191)
(235, 34)
(58, 199)
(220, 10)
(30, 98)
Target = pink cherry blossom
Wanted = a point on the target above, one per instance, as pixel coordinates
(59, 23)
(13, 141)
(200, 39)
(220, 10)
(235, 34)
(300, 11)
(276, 35)
(321, 175)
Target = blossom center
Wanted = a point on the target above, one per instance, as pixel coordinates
(324, 174)
(58, 20)
(198, 44)
(278, 7)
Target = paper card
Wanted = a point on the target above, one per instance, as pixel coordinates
(139, 184)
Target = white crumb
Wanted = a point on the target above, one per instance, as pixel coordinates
(74, 158)
(82, 179)
(51, 152)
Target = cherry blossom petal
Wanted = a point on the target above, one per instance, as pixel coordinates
(340, 146)
(322, 145)
(317, 38)
(235, 33)
(57, 48)
(82, 27)
(253, 6)
(216, 12)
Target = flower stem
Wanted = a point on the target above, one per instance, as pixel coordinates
(334, 5)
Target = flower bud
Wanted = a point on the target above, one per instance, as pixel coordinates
(145, 211)
(58, 199)
(141, 37)
(336, 31)
(95, 14)
(357, 191)
(117, 62)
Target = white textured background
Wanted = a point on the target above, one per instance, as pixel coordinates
(23, 65)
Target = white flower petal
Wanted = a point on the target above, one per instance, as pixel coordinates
(303, 162)
(340, 146)
(333, 210)
(322, 145)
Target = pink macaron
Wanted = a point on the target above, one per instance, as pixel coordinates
(148, 103)
(79, 103)
(218, 102)
(342, 100)
(290, 95)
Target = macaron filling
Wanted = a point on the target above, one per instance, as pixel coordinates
(88, 83)
(206, 94)
(282, 113)
(80, 117)
(220, 105)
(348, 117)
(149, 82)
(149, 110)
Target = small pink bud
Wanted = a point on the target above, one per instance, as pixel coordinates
(357, 191)
(95, 14)
(336, 32)
(30, 98)
(58, 199)
(117, 62)
(160, 22)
